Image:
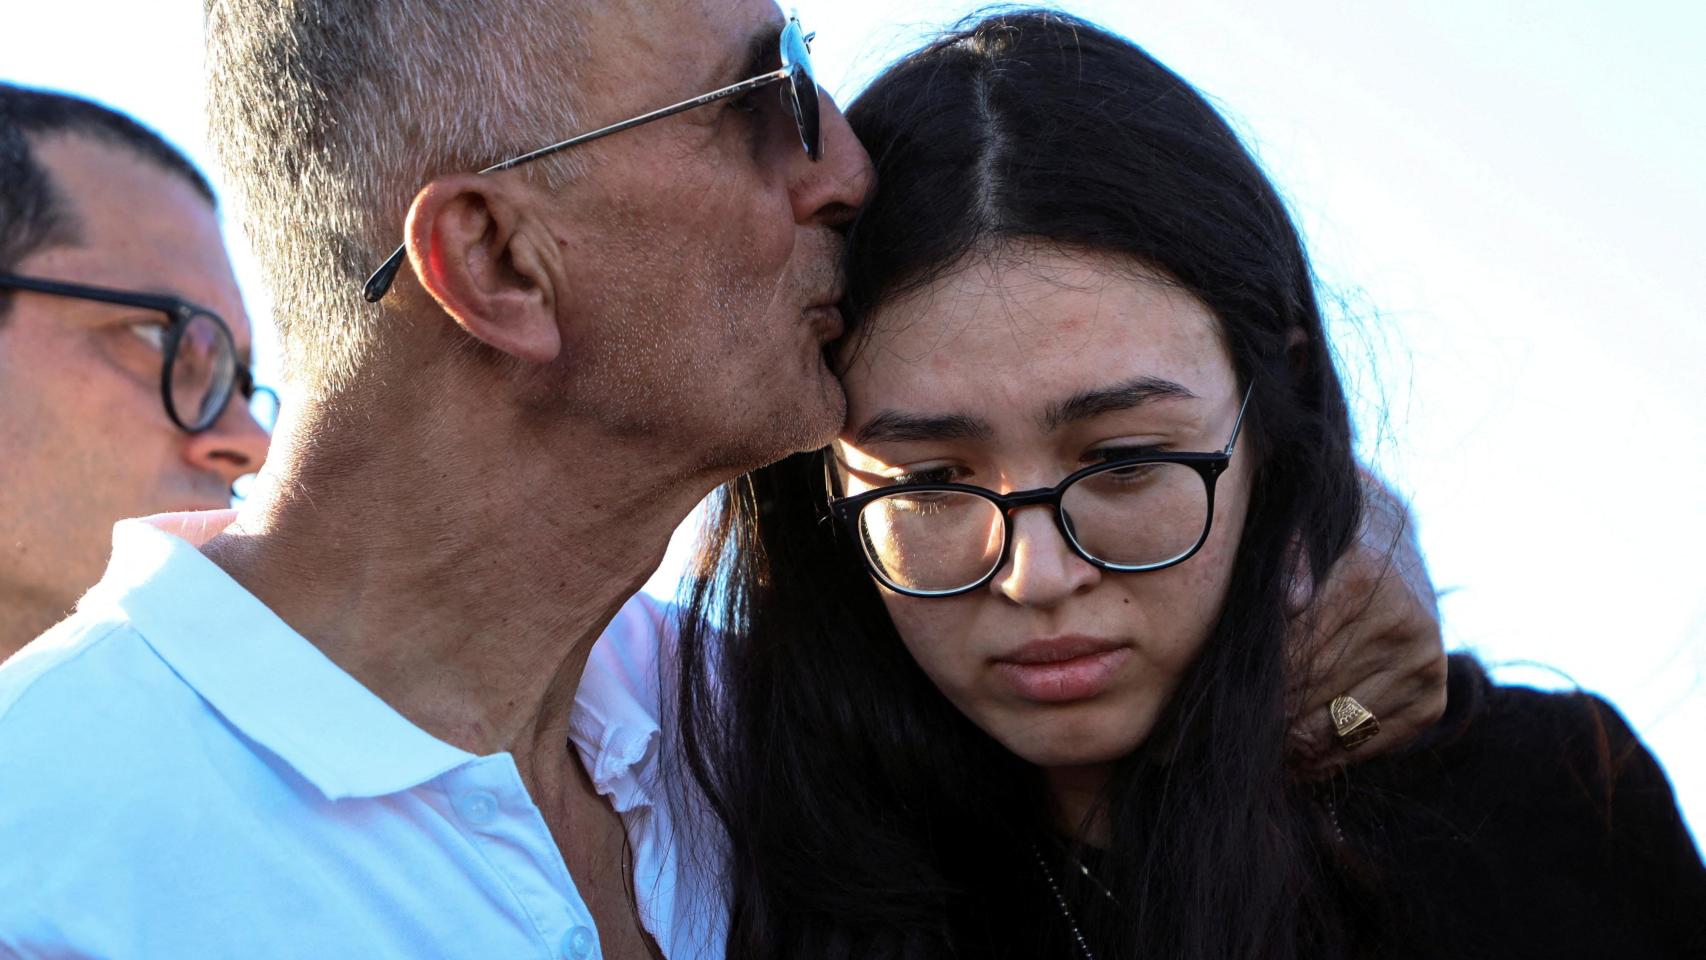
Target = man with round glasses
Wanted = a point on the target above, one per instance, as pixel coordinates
(123, 348)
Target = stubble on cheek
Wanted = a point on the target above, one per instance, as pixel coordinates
(715, 358)
(701, 342)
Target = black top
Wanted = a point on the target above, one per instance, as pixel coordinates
(1527, 824)
(1524, 825)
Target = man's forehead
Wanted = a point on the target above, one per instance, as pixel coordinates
(746, 24)
(141, 227)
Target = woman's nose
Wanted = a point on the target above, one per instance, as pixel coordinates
(1041, 569)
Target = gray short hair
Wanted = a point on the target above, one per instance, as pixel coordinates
(328, 116)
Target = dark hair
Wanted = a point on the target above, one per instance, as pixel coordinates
(33, 214)
(866, 816)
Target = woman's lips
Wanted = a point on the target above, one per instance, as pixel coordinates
(1064, 669)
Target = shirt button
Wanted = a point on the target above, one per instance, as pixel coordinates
(478, 808)
(577, 943)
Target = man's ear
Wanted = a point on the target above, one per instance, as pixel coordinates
(482, 257)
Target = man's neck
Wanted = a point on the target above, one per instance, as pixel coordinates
(467, 606)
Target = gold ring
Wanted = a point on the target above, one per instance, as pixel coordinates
(1352, 722)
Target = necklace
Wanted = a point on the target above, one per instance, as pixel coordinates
(1060, 901)
(1092, 878)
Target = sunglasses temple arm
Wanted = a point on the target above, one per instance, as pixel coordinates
(733, 89)
(374, 289)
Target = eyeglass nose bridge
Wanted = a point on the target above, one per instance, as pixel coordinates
(1050, 497)
(1209, 470)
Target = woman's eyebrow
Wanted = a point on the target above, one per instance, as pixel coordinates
(1121, 396)
(892, 426)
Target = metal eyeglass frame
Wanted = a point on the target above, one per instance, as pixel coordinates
(796, 71)
(181, 313)
(1209, 466)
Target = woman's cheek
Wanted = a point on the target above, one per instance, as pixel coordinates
(931, 631)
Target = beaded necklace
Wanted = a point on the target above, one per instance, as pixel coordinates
(1060, 897)
(1060, 901)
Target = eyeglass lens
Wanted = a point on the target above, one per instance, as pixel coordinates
(202, 371)
(264, 407)
(1132, 517)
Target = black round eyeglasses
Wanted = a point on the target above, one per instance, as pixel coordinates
(799, 90)
(1127, 516)
(199, 367)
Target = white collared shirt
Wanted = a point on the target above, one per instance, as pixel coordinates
(184, 775)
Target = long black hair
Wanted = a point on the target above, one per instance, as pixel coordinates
(866, 816)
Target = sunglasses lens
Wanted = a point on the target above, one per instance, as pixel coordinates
(201, 373)
(801, 92)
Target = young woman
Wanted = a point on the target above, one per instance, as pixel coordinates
(1002, 672)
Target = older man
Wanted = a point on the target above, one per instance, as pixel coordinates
(335, 725)
(105, 231)
(339, 728)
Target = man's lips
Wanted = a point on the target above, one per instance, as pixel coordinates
(825, 320)
(1062, 669)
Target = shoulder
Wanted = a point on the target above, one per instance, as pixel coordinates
(55, 654)
(78, 690)
(91, 720)
(1554, 738)
(1525, 804)
(101, 746)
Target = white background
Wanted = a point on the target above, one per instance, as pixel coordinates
(1505, 203)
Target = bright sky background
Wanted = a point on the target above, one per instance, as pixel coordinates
(1504, 197)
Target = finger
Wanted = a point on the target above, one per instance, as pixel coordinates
(1395, 633)
(1407, 703)
(1388, 694)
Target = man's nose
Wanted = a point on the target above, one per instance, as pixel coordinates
(831, 189)
(1041, 569)
(233, 446)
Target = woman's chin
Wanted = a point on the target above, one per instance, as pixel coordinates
(1071, 745)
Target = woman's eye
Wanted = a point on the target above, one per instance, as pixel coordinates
(746, 104)
(1110, 454)
(925, 503)
(927, 475)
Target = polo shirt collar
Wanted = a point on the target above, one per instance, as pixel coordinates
(263, 677)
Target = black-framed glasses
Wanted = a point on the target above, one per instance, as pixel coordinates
(800, 92)
(199, 369)
(1128, 516)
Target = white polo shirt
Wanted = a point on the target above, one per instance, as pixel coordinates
(183, 775)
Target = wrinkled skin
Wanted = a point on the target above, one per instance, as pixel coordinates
(1372, 632)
